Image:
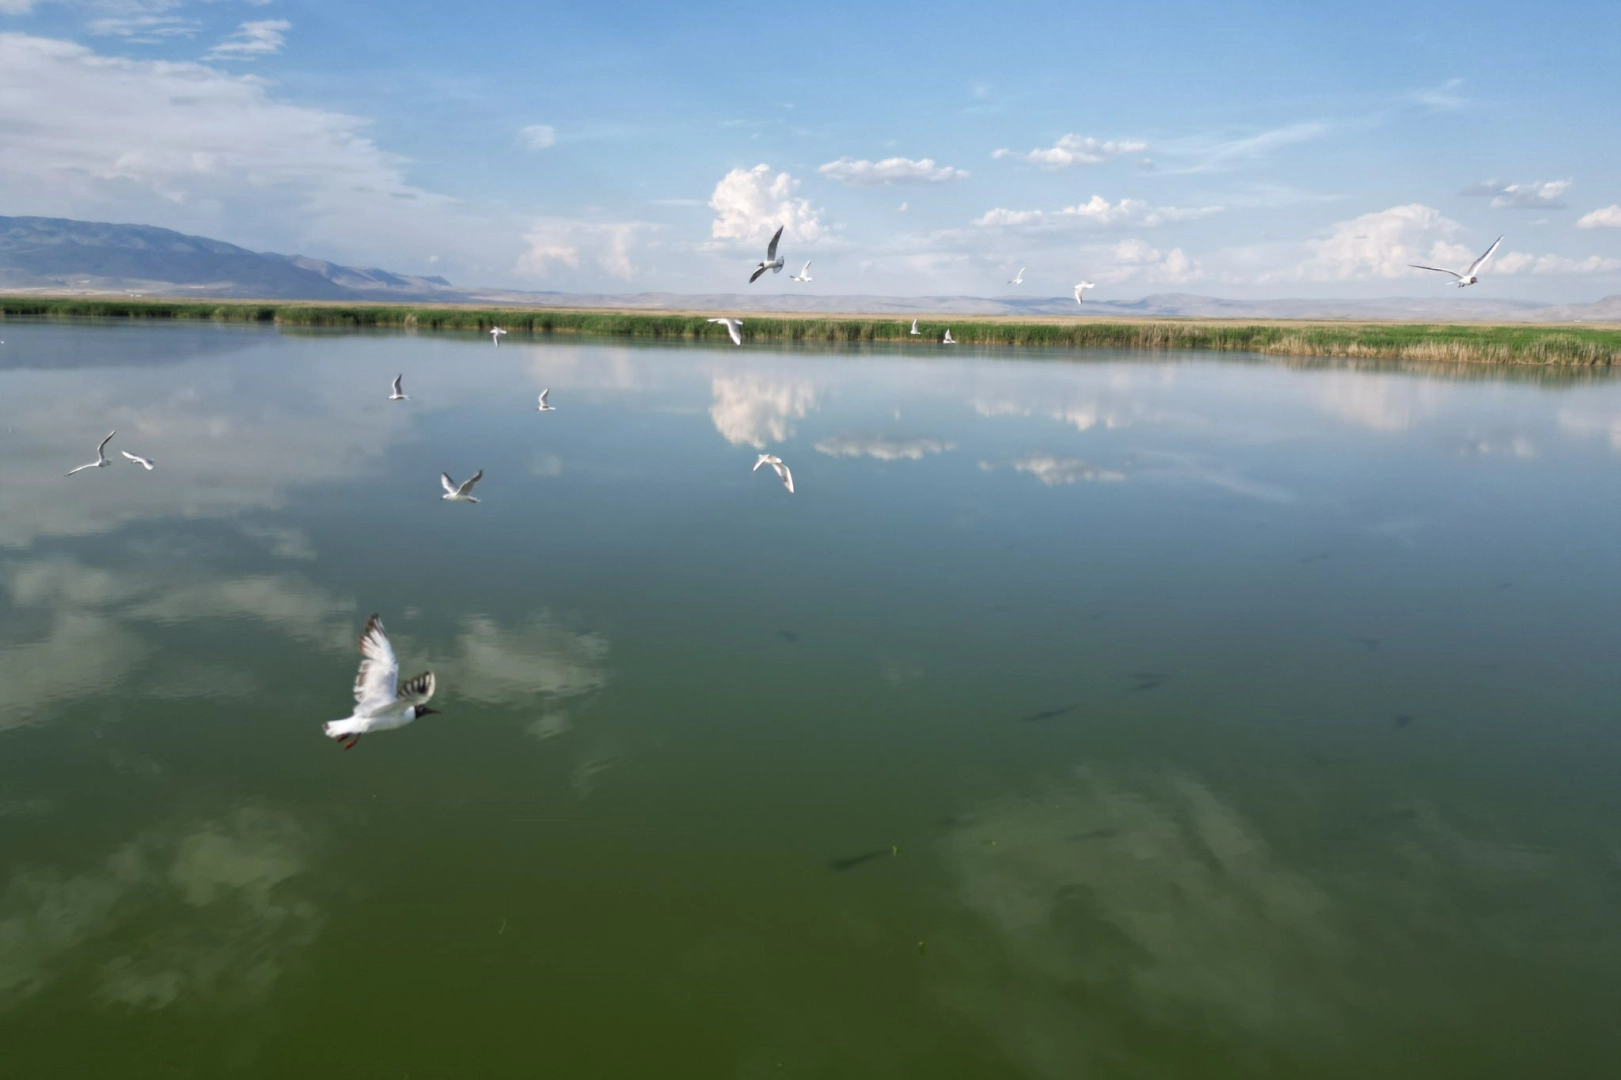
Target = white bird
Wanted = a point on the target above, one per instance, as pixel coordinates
(101, 461)
(948, 339)
(1018, 279)
(783, 474)
(463, 493)
(1468, 276)
(543, 406)
(803, 275)
(734, 327)
(397, 394)
(914, 328)
(143, 462)
(379, 704)
(1081, 288)
(773, 261)
(496, 334)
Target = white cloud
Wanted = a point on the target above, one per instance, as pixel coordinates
(1096, 212)
(1138, 260)
(1054, 471)
(750, 204)
(1380, 245)
(538, 136)
(895, 170)
(757, 410)
(1540, 195)
(501, 666)
(1519, 262)
(1442, 98)
(1608, 217)
(1075, 150)
(260, 37)
(876, 446)
(559, 243)
(1219, 154)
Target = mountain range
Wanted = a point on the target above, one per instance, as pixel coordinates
(59, 256)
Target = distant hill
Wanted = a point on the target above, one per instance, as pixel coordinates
(57, 255)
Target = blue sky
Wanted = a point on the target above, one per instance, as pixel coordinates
(1259, 149)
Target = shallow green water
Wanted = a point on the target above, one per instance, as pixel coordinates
(1115, 718)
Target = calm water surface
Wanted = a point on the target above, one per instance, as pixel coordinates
(1110, 717)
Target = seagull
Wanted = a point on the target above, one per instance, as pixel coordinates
(948, 339)
(143, 462)
(1081, 288)
(496, 334)
(398, 394)
(783, 474)
(464, 493)
(803, 275)
(1018, 279)
(1468, 276)
(914, 329)
(734, 327)
(101, 461)
(542, 407)
(773, 261)
(379, 706)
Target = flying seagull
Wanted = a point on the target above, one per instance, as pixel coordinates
(464, 493)
(1018, 279)
(803, 275)
(543, 406)
(1468, 276)
(397, 394)
(143, 462)
(948, 339)
(734, 327)
(101, 461)
(1081, 288)
(783, 474)
(773, 261)
(496, 334)
(914, 328)
(379, 705)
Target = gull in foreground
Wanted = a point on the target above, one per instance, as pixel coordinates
(101, 461)
(1018, 279)
(143, 462)
(803, 275)
(543, 407)
(734, 327)
(1081, 288)
(776, 464)
(496, 334)
(397, 394)
(379, 704)
(914, 328)
(1468, 276)
(462, 493)
(948, 339)
(773, 261)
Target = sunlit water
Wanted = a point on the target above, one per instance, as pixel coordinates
(1085, 715)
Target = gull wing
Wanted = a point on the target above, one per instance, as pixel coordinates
(734, 329)
(786, 476)
(914, 326)
(771, 248)
(141, 461)
(418, 690)
(82, 468)
(467, 485)
(379, 670)
(397, 379)
(543, 394)
(805, 273)
(447, 483)
(1477, 263)
(1441, 270)
(756, 275)
(765, 459)
(102, 449)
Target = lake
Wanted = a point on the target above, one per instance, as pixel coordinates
(1079, 715)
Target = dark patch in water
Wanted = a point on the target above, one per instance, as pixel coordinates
(853, 861)
(1047, 714)
(1370, 643)
(1403, 720)
(1319, 557)
(788, 635)
(1149, 680)
(1096, 834)
(1501, 585)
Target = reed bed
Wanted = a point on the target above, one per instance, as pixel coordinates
(1546, 346)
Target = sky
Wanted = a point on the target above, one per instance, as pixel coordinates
(1247, 150)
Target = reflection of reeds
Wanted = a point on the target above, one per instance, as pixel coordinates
(1414, 342)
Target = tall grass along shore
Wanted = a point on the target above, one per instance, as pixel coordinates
(1482, 344)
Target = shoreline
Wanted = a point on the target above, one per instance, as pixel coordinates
(1474, 343)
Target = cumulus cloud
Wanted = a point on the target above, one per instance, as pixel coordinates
(1540, 195)
(1096, 212)
(895, 170)
(514, 666)
(750, 204)
(757, 410)
(1519, 262)
(538, 136)
(259, 37)
(1381, 245)
(563, 243)
(884, 449)
(1608, 217)
(1075, 150)
(1138, 260)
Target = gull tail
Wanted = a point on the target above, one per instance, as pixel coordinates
(343, 730)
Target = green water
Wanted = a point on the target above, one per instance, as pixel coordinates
(1116, 717)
